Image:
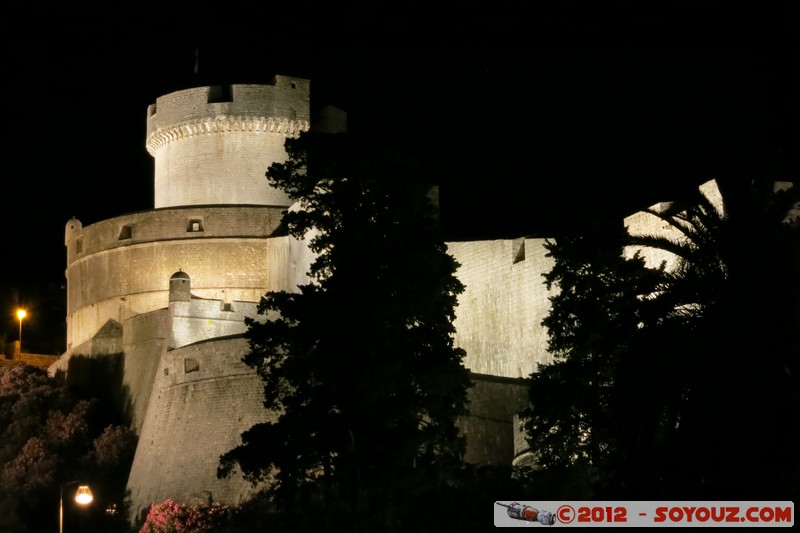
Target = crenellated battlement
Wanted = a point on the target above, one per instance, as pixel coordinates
(287, 98)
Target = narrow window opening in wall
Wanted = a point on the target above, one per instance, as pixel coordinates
(79, 246)
(220, 93)
(126, 232)
(518, 250)
(190, 365)
(194, 225)
(227, 307)
(166, 371)
(294, 85)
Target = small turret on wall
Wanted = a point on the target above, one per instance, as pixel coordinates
(180, 287)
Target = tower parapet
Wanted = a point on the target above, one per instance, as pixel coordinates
(213, 145)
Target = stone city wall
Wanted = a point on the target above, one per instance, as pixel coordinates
(197, 320)
(489, 428)
(203, 399)
(170, 224)
(499, 315)
(144, 342)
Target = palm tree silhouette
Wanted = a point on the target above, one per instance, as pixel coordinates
(731, 299)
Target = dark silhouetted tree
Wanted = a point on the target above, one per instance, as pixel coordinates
(360, 365)
(735, 295)
(600, 307)
(658, 373)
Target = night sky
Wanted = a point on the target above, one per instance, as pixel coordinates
(535, 117)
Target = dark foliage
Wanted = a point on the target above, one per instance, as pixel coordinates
(577, 420)
(51, 437)
(678, 383)
(431, 508)
(360, 364)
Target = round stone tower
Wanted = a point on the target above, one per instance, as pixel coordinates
(180, 287)
(213, 145)
(215, 214)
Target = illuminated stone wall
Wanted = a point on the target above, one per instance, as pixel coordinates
(200, 319)
(203, 398)
(120, 268)
(643, 223)
(499, 315)
(144, 342)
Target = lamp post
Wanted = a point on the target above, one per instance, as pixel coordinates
(83, 496)
(21, 314)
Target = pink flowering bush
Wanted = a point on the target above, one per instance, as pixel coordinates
(31, 469)
(171, 517)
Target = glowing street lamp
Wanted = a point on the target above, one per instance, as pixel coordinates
(21, 314)
(83, 496)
